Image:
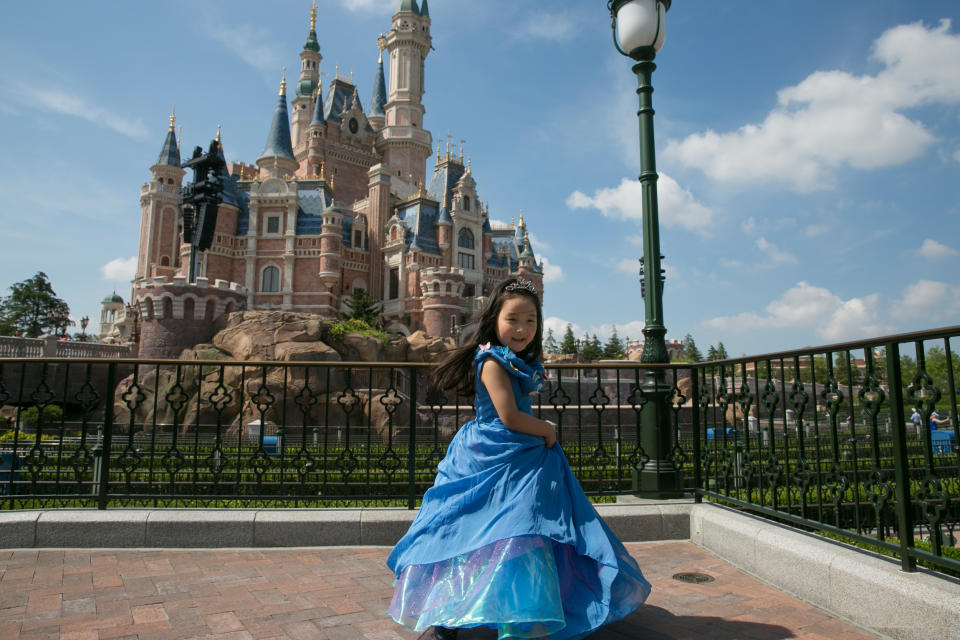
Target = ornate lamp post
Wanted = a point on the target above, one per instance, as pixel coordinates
(84, 321)
(638, 33)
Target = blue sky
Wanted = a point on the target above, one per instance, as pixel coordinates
(809, 152)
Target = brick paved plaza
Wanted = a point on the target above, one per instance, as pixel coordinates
(341, 594)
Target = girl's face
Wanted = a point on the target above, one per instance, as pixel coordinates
(517, 323)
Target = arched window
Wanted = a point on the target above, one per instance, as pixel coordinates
(393, 234)
(165, 261)
(465, 239)
(466, 203)
(209, 310)
(270, 283)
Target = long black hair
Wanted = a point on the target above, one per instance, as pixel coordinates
(455, 371)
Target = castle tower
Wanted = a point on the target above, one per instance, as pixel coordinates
(404, 143)
(111, 312)
(316, 138)
(307, 85)
(160, 211)
(442, 290)
(377, 115)
(277, 158)
(445, 232)
(331, 250)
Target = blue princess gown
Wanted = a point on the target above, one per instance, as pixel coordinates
(506, 538)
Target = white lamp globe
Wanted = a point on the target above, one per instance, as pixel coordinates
(640, 23)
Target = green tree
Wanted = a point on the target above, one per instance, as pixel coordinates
(614, 348)
(590, 349)
(721, 351)
(568, 345)
(690, 351)
(30, 307)
(712, 353)
(550, 344)
(364, 307)
(845, 369)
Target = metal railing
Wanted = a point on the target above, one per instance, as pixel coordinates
(818, 438)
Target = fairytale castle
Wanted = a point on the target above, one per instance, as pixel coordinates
(339, 200)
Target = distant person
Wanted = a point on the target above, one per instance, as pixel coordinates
(936, 420)
(916, 420)
(506, 537)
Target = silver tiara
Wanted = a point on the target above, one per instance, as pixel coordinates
(526, 285)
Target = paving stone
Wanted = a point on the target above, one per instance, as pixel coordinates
(342, 594)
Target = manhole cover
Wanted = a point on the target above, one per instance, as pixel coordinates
(693, 577)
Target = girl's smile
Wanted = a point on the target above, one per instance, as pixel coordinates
(517, 323)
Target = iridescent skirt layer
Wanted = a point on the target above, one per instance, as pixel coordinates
(506, 539)
(525, 587)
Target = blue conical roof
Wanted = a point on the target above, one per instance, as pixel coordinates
(318, 108)
(278, 139)
(423, 9)
(170, 153)
(379, 101)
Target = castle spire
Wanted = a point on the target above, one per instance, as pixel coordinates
(423, 9)
(379, 100)
(408, 6)
(311, 43)
(170, 152)
(318, 118)
(278, 139)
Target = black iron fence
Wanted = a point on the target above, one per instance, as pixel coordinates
(822, 438)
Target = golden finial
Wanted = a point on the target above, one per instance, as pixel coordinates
(218, 135)
(381, 45)
(438, 151)
(323, 171)
(173, 116)
(420, 186)
(283, 82)
(521, 218)
(468, 165)
(336, 71)
(331, 183)
(351, 76)
(313, 16)
(448, 149)
(461, 150)
(179, 136)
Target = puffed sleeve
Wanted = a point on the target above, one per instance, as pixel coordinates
(528, 374)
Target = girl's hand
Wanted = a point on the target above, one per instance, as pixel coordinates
(550, 438)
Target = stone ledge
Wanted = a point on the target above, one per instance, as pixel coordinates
(865, 588)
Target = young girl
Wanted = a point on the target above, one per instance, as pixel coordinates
(506, 538)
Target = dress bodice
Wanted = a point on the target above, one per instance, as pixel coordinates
(526, 378)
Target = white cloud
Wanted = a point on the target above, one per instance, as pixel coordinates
(806, 306)
(677, 206)
(251, 44)
(62, 101)
(834, 119)
(749, 225)
(552, 272)
(550, 26)
(930, 300)
(537, 244)
(120, 269)
(630, 266)
(632, 329)
(933, 250)
(559, 326)
(773, 253)
(814, 230)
